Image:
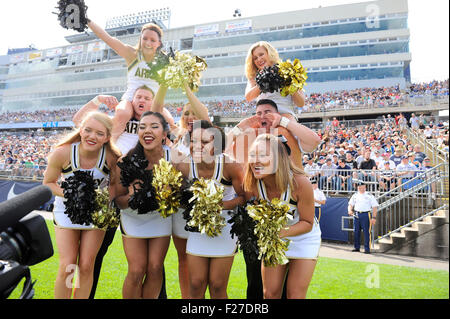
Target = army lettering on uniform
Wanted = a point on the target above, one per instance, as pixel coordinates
(143, 73)
(132, 127)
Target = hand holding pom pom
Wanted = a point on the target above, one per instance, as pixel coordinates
(294, 76)
(269, 79)
(167, 184)
(183, 68)
(106, 216)
(206, 212)
(79, 192)
(270, 218)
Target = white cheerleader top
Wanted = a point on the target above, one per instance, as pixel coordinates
(100, 172)
(139, 75)
(229, 192)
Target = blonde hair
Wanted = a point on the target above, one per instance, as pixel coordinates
(285, 169)
(250, 67)
(149, 26)
(74, 136)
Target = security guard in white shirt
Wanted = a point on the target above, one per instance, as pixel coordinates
(363, 206)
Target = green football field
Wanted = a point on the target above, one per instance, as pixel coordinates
(333, 278)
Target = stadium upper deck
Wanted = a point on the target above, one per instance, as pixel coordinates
(343, 47)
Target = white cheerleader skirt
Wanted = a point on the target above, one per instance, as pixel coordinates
(62, 220)
(178, 224)
(221, 246)
(150, 225)
(305, 246)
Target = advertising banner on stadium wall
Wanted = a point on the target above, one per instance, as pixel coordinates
(96, 46)
(10, 189)
(206, 29)
(238, 25)
(331, 219)
(17, 58)
(34, 55)
(74, 49)
(51, 53)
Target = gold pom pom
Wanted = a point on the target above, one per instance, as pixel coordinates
(270, 218)
(294, 76)
(167, 184)
(105, 215)
(183, 68)
(206, 213)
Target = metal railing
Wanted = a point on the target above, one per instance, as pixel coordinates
(411, 201)
(436, 155)
(378, 182)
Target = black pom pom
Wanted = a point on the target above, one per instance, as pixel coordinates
(243, 226)
(269, 80)
(134, 172)
(144, 197)
(72, 15)
(79, 192)
(131, 168)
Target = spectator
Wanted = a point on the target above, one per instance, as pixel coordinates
(386, 177)
(327, 174)
(405, 170)
(344, 176)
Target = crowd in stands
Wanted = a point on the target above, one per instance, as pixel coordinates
(379, 152)
(24, 154)
(315, 102)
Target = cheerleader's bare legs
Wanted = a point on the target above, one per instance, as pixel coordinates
(300, 275)
(209, 272)
(145, 267)
(77, 251)
(183, 271)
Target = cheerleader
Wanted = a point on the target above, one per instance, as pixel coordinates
(192, 111)
(88, 148)
(270, 174)
(137, 59)
(146, 237)
(263, 54)
(210, 258)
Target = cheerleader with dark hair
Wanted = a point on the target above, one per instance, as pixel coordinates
(210, 258)
(146, 234)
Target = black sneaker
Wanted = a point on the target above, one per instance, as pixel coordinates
(367, 252)
(355, 250)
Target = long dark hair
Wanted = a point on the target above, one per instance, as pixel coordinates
(139, 149)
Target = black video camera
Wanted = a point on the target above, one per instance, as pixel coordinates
(24, 241)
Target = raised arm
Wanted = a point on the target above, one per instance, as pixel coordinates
(110, 101)
(125, 51)
(199, 109)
